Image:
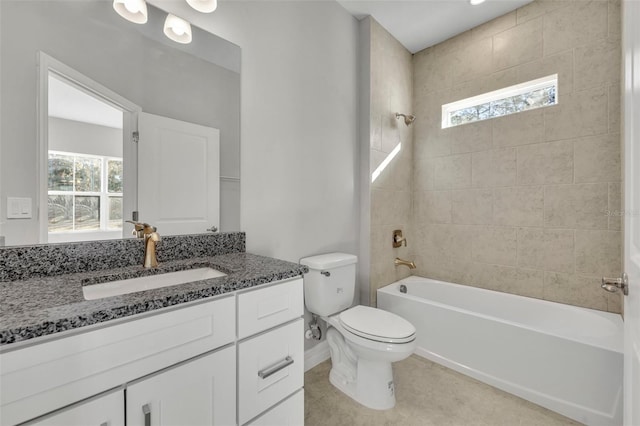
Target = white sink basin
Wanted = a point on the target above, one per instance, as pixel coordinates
(150, 282)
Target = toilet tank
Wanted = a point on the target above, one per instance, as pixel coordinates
(330, 284)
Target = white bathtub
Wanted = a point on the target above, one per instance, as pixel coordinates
(564, 358)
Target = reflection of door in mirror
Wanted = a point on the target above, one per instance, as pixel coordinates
(85, 185)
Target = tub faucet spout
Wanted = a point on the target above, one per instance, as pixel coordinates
(399, 262)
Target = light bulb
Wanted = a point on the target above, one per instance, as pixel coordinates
(204, 6)
(476, 2)
(177, 29)
(131, 10)
(132, 6)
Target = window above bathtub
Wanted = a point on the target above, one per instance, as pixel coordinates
(509, 100)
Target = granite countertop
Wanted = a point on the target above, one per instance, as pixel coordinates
(43, 306)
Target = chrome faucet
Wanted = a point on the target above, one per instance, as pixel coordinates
(402, 262)
(151, 238)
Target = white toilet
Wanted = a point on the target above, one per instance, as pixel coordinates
(363, 341)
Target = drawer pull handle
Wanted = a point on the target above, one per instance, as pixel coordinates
(263, 374)
(147, 414)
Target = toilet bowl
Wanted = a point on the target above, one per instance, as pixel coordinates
(363, 341)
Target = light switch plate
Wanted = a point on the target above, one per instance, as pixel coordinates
(19, 208)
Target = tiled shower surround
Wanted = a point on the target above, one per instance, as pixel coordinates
(528, 203)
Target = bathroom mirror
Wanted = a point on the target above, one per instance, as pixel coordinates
(197, 83)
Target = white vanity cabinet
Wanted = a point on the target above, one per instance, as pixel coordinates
(217, 362)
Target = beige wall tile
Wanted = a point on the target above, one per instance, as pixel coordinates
(579, 23)
(547, 249)
(518, 206)
(497, 80)
(432, 206)
(597, 158)
(518, 45)
(432, 72)
(424, 173)
(615, 109)
(472, 206)
(453, 172)
(390, 207)
(494, 245)
(545, 163)
(494, 26)
(375, 131)
(614, 302)
(577, 114)
(598, 253)
(507, 279)
(473, 60)
(576, 206)
(519, 129)
(615, 19)
(538, 8)
(574, 290)
(597, 64)
(530, 283)
(615, 207)
(493, 168)
(444, 241)
(470, 137)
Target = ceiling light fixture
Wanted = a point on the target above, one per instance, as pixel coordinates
(132, 10)
(177, 29)
(476, 2)
(204, 6)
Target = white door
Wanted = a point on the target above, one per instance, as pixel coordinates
(631, 11)
(104, 410)
(178, 175)
(199, 393)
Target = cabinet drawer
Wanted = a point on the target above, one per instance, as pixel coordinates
(38, 379)
(270, 367)
(105, 410)
(289, 412)
(259, 310)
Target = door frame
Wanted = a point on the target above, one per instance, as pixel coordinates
(47, 64)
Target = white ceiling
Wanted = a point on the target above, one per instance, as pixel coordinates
(418, 24)
(65, 101)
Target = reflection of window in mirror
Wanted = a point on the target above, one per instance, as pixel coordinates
(85, 179)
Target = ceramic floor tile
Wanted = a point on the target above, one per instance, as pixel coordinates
(427, 394)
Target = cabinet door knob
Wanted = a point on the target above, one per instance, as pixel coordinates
(263, 374)
(147, 414)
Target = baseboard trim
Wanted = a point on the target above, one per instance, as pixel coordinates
(317, 354)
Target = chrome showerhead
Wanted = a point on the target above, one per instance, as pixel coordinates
(408, 119)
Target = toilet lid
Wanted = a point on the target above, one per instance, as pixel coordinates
(376, 324)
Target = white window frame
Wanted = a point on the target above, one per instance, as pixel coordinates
(104, 232)
(496, 95)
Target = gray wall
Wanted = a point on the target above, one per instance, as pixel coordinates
(85, 138)
(91, 38)
(299, 123)
(519, 203)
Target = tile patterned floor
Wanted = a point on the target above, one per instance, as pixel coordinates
(427, 394)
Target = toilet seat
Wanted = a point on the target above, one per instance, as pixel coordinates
(377, 325)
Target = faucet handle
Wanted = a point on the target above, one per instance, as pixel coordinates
(140, 229)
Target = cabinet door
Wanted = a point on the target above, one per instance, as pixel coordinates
(200, 392)
(106, 410)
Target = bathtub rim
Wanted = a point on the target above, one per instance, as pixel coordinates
(394, 289)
